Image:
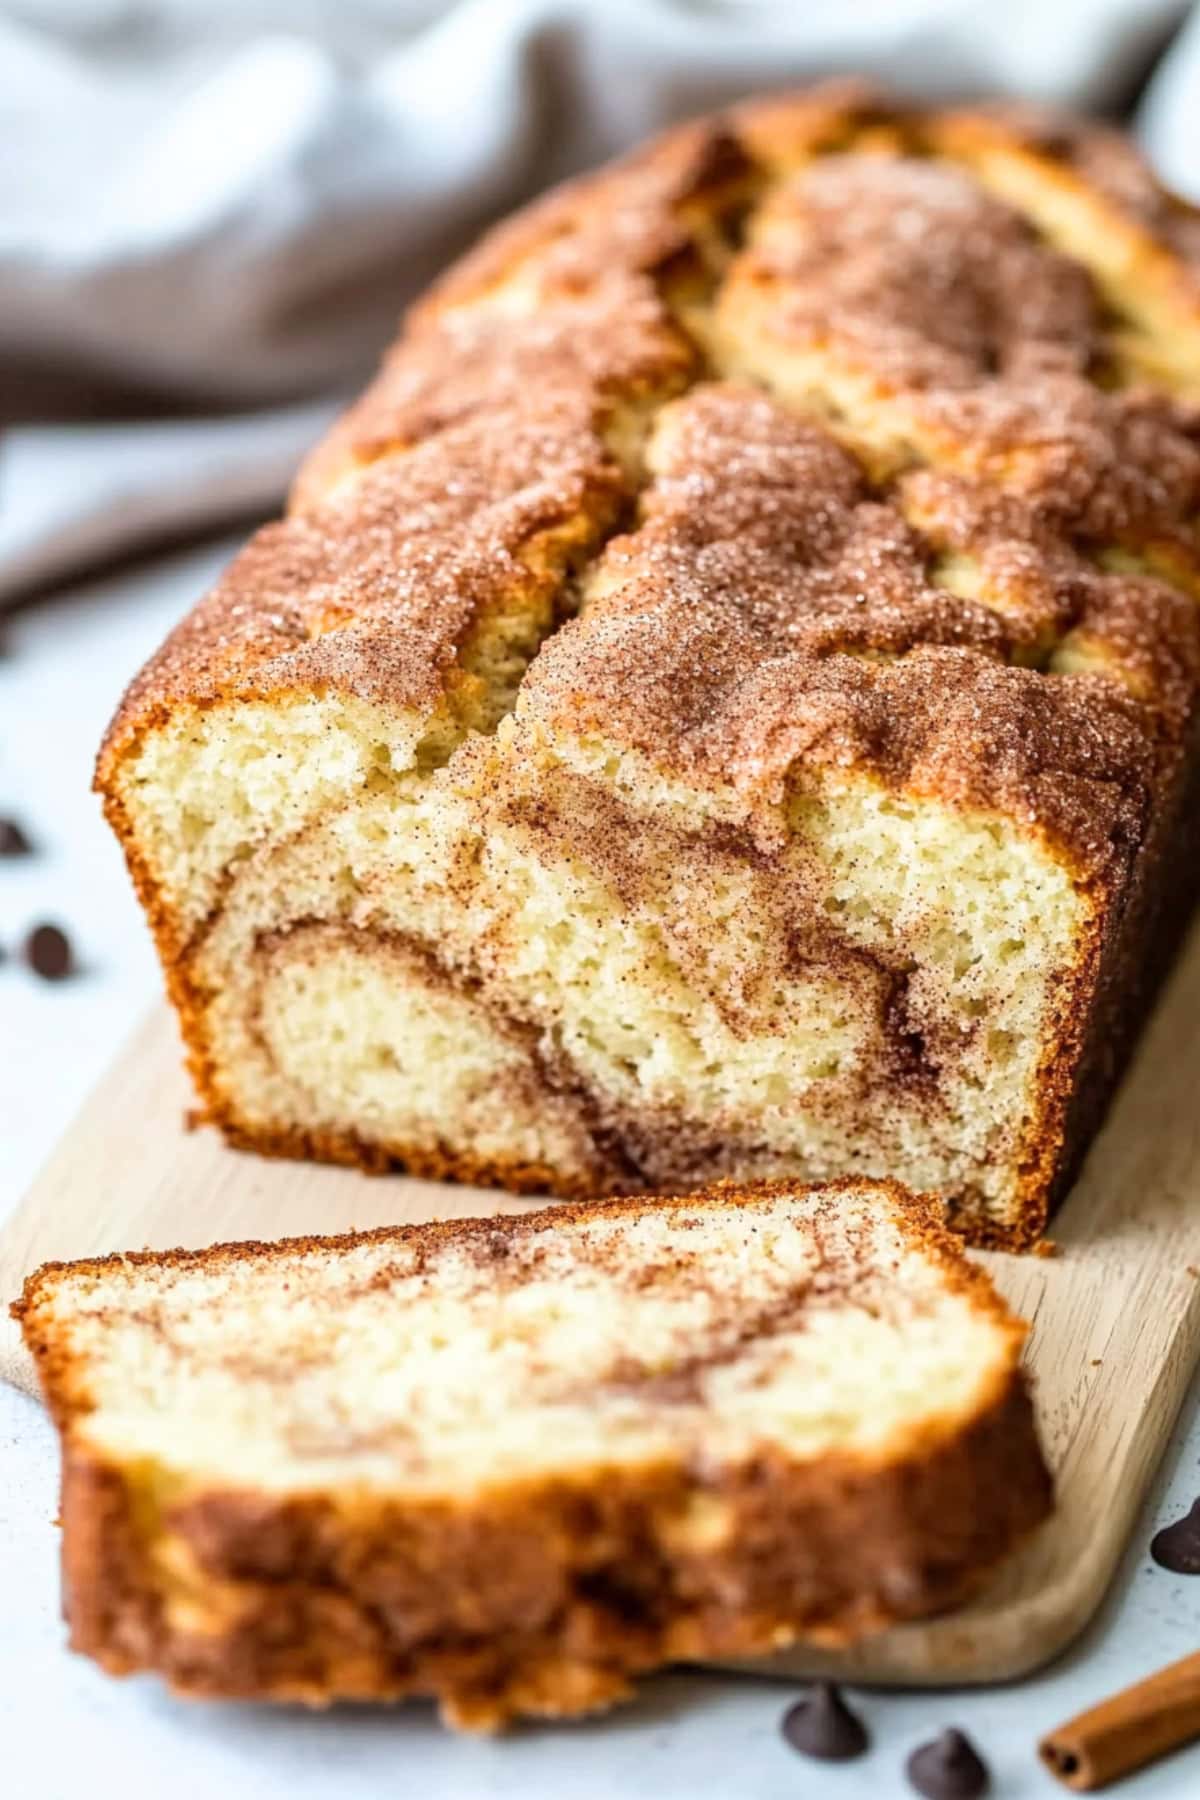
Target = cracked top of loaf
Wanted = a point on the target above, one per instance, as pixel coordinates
(850, 434)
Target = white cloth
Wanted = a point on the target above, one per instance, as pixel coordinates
(207, 203)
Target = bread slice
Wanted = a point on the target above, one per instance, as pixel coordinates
(512, 1462)
(721, 704)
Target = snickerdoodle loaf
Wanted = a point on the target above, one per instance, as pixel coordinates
(722, 702)
(513, 1462)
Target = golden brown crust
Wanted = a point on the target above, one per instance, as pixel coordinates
(365, 1609)
(540, 1596)
(1095, 158)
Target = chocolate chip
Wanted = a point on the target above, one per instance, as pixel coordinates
(13, 841)
(1177, 1547)
(822, 1725)
(48, 952)
(948, 1769)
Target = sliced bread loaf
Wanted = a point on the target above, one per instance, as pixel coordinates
(724, 702)
(511, 1462)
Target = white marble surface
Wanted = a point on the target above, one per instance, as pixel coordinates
(66, 1730)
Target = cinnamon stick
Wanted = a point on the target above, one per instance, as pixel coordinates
(1127, 1730)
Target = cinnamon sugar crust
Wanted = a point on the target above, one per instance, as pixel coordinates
(569, 357)
(952, 298)
(799, 616)
(833, 454)
(378, 593)
(1101, 158)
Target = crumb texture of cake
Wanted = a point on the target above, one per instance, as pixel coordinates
(724, 703)
(511, 1463)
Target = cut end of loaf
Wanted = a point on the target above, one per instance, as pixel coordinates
(549, 964)
(513, 1463)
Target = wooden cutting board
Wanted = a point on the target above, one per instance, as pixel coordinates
(1116, 1314)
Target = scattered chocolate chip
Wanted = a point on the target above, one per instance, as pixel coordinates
(48, 952)
(1177, 1547)
(948, 1768)
(13, 841)
(822, 1725)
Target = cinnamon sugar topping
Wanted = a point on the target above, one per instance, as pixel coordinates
(770, 607)
(768, 615)
(938, 281)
